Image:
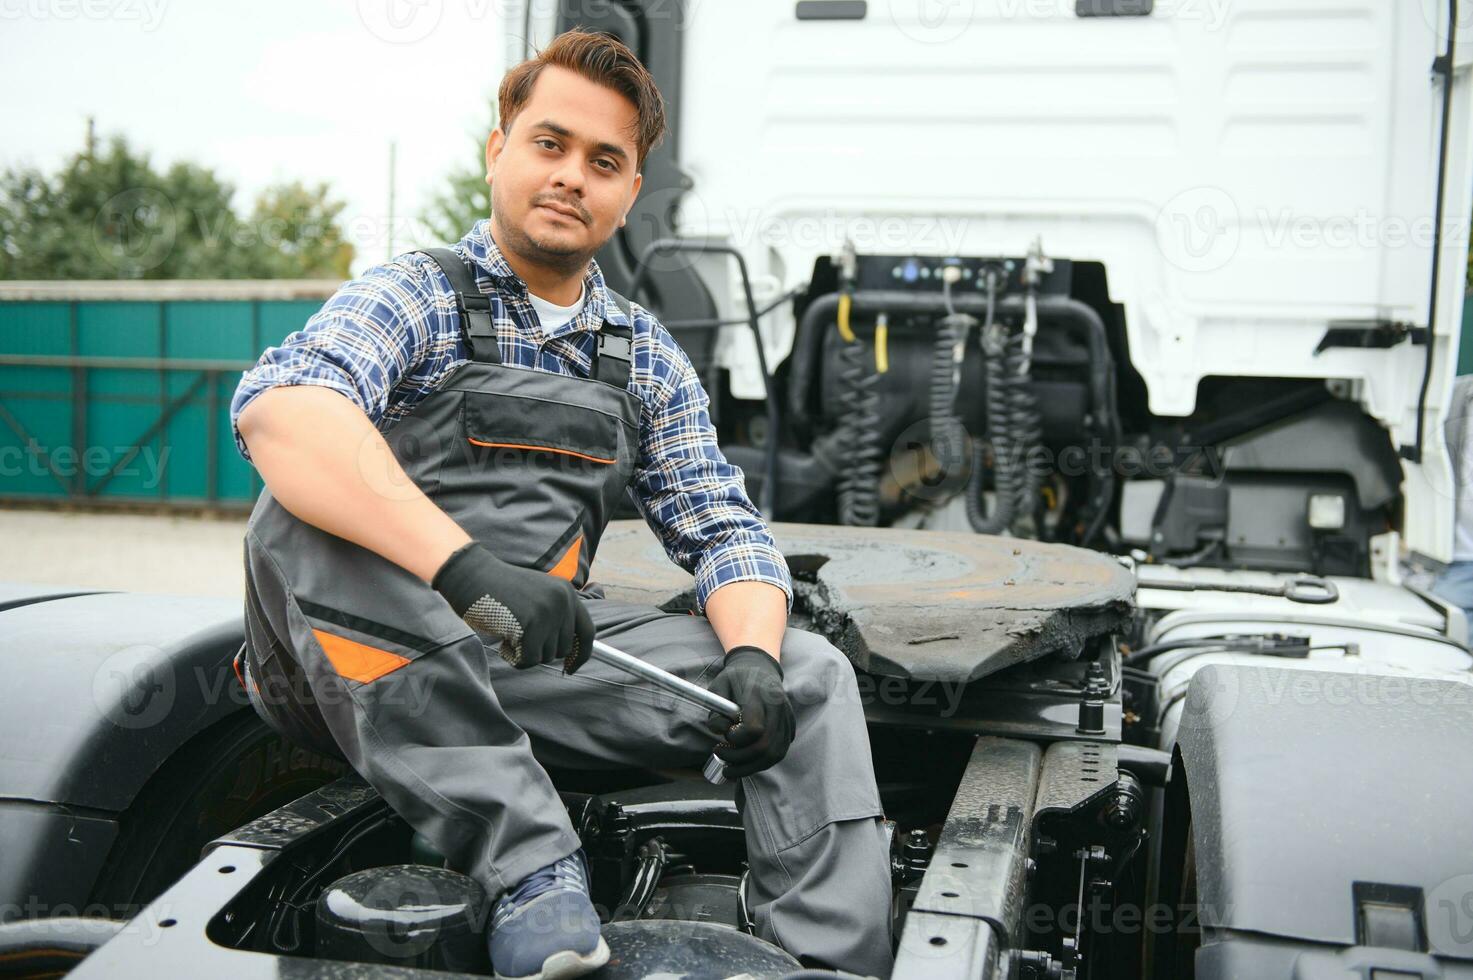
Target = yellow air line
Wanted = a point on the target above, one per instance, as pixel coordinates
(844, 331)
(882, 344)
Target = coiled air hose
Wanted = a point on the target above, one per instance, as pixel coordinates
(1025, 421)
(948, 437)
(1013, 424)
(859, 405)
(1004, 457)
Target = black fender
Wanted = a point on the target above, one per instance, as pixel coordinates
(1329, 808)
(100, 690)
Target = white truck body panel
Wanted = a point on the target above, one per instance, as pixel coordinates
(1247, 172)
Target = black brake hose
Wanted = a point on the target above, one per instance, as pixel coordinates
(1449, 67)
(1232, 644)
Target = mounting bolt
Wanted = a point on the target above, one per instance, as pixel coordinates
(916, 853)
(1092, 701)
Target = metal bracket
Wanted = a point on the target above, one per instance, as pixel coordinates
(1370, 333)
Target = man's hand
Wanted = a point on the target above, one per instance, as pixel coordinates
(754, 680)
(537, 617)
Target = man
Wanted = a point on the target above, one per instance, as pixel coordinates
(1455, 582)
(436, 482)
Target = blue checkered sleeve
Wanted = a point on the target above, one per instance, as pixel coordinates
(691, 495)
(389, 338)
(373, 333)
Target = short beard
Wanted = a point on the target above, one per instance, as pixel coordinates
(525, 247)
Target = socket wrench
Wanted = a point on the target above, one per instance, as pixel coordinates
(715, 769)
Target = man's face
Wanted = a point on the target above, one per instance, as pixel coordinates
(564, 178)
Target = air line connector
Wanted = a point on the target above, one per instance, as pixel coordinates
(1035, 267)
(848, 263)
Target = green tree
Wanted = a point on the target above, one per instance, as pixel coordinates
(297, 234)
(464, 196)
(110, 214)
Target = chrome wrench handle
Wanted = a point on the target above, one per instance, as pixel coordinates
(715, 769)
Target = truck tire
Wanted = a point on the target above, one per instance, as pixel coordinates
(228, 775)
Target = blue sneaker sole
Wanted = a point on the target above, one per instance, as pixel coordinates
(567, 963)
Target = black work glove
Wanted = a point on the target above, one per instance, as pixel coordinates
(537, 617)
(754, 680)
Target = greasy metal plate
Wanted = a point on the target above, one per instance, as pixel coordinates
(304, 815)
(939, 947)
(1073, 774)
(977, 868)
(936, 605)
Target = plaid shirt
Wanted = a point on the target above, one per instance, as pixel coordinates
(390, 338)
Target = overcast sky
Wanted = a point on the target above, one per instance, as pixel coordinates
(260, 92)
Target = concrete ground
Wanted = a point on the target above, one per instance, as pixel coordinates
(184, 555)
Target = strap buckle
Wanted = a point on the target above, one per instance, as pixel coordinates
(615, 346)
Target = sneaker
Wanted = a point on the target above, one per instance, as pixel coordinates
(544, 927)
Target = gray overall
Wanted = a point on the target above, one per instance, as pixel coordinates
(353, 654)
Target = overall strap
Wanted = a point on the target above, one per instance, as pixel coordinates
(615, 347)
(476, 324)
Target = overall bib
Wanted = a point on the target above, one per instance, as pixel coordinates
(352, 654)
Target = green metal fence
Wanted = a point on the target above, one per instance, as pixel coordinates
(119, 392)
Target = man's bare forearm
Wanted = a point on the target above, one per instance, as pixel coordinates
(324, 461)
(749, 614)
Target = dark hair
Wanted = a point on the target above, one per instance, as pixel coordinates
(598, 58)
